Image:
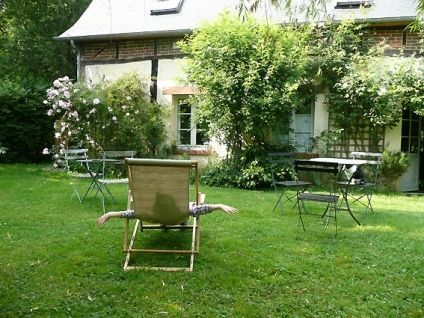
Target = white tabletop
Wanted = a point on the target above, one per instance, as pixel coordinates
(346, 161)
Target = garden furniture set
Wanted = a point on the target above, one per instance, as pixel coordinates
(159, 192)
(343, 174)
(98, 170)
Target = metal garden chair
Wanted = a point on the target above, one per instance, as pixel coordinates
(74, 167)
(363, 180)
(327, 198)
(113, 171)
(281, 187)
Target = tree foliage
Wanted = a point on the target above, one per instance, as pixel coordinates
(27, 44)
(248, 74)
(293, 9)
(29, 59)
(24, 126)
(333, 46)
(378, 89)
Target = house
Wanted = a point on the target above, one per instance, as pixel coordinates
(113, 37)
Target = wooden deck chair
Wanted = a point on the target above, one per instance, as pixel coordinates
(159, 195)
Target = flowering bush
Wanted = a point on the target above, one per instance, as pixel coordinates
(107, 116)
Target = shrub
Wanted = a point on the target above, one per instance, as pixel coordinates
(253, 171)
(107, 116)
(24, 128)
(393, 165)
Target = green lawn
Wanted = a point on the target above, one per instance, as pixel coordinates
(54, 261)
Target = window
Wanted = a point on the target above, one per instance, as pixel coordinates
(166, 7)
(188, 133)
(352, 4)
(410, 132)
(303, 127)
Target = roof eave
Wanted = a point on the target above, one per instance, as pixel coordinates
(132, 35)
(406, 19)
(182, 32)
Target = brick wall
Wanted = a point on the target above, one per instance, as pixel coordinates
(168, 47)
(396, 38)
(99, 51)
(130, 49)
(133, 49)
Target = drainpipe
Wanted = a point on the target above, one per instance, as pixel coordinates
(78, 59)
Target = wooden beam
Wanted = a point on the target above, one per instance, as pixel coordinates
(179, 90)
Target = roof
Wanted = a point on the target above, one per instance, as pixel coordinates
(109, 19)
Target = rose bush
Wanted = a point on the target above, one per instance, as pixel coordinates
(107, 116)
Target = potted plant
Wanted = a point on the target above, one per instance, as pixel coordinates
(393, 165)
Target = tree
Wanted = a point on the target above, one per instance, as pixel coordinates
(26, 39)
(110, 115)
(248, 74)
(309, 9)
(29, 59)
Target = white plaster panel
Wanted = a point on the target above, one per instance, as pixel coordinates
(320, 115)
(170, 73)
(393, 138)
(96, 73)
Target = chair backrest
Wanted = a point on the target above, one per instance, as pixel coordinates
(374, 161)
(373, 157)
(71, 155)
(160, 189)
(327, 168)
(279, 158)
(118, 157)
(118, 154)
(316, 166)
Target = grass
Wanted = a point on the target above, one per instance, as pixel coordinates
(55, 262)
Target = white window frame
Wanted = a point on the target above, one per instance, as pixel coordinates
(310, 131)
(193, 130)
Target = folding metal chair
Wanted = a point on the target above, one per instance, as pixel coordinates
(113, 166)
(363, 181)
(329, 199)
(281, 187)
(71, 157)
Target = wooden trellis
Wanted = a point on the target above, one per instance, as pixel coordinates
(359, 137)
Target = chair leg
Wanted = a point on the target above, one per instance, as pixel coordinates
(194, 243)
(299, 208)
(131, 244)
(75, 192)
(278, 201)
(369, 205)
(335, 217)
(368, 196)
